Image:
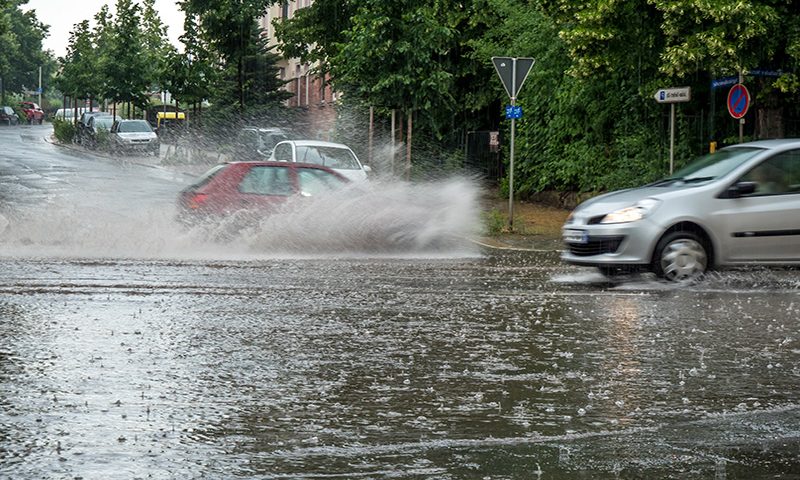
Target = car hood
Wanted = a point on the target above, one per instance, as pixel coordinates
(612, 201)
(137, 135)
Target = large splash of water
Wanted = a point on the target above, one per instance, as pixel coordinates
(381, 218)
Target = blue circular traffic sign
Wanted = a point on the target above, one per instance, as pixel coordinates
(738, 101)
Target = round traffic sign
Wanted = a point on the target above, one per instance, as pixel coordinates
(738, 101)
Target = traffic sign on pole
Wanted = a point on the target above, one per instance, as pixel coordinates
(513, 112)
(512, 72)
(738, 101)
(674, 95)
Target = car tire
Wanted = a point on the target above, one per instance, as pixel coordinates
(680, 257)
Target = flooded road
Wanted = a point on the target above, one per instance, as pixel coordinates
(471, 364)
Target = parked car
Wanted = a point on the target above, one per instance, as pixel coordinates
(335, 156)
(83, 123)
(68, 114)
(257, 143)
(96, 125)
(8, 116)
(134, 136)
(33, 113)
(738, 206)
(258, 186)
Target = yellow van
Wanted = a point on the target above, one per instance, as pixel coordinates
(170, 119)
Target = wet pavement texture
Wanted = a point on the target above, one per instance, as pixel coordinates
(481, 363)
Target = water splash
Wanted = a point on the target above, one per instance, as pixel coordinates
(394, 218)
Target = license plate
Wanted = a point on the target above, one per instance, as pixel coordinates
(576, 236)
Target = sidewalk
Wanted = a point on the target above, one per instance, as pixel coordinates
(536, 226)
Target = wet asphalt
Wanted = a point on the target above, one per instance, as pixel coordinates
(126, 352)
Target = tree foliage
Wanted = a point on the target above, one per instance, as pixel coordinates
(247, 75)
(21, 53)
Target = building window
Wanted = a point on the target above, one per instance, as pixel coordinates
(285, 9)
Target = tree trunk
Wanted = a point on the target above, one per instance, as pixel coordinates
(240, 68)
(769, 123)
(408, 147)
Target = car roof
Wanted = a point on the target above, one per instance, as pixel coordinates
(277, 163)
(315, 143)
(770, 144)
(265, 129)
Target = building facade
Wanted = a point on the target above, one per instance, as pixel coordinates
(310, 92)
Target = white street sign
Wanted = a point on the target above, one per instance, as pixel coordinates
(674, 95)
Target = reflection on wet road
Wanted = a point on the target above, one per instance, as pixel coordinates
(493, 367)
(132, 349)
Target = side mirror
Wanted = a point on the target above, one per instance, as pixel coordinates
(741, 188)
(367, 168)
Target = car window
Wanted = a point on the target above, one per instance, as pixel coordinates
(776, 175)
(314, 181)
(134, 127)
(207, 177)
(715, 165)
(267, 181)
(249, 139)
(268, 141)
(283, 152)
(102, 122)
(332, 157)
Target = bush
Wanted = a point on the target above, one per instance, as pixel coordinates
(64, 130)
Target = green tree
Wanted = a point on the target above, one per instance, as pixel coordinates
(229, 28)
(21, 53)
(77, 77)
(126, 67)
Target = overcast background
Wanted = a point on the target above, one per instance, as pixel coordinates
(62, 15)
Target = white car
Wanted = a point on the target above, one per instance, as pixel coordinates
(134, 135)
(336, 156)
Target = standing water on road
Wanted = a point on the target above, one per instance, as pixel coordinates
(132, 348)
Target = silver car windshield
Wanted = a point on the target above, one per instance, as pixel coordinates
(333, 157)
(132, 127)
(714, 165)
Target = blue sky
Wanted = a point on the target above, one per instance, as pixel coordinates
(62, 15)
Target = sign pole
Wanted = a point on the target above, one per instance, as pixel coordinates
(673, 96)
(741, 120)
(671, 137)
(511, 162)
(512, 80)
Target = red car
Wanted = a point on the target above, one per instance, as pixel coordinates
(258, 186)
(33, 112)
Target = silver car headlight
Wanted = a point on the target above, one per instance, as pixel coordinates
(633, 213)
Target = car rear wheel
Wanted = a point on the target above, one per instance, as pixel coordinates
(680, 257)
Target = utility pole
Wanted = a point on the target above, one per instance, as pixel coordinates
(40, 86)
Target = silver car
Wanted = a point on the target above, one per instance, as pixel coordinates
(738, 206)
(134, 136)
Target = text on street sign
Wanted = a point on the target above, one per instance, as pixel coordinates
(673, 95)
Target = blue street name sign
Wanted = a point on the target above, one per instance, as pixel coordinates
(513, 111)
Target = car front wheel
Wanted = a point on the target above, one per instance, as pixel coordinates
(680, 257)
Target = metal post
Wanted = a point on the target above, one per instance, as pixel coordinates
(394, 119)
(40, 86)
(371, 123)
(511, 160)
(671, 137)
(741, 120)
